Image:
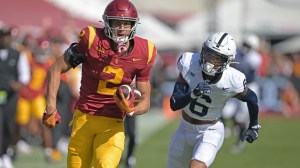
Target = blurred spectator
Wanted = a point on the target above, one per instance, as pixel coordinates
(278, 95)
(14, 70)
(296, 67)
(295, 78)
(265, 58)
(32, 96)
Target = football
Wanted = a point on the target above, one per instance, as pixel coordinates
(137, 95)
(126, 89)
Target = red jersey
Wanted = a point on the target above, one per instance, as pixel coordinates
(103, 70)
(37, 83)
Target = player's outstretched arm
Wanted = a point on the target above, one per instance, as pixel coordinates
(61, 65)
(53, 82)
(252, 102)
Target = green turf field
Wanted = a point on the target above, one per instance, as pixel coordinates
(278, 146)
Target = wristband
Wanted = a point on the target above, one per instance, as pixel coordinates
(51, 113)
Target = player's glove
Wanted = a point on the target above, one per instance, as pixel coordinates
(251, 134)
(50, 120)
(126, 105)
(201, 89)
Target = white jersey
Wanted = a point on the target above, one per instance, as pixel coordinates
(209, 106)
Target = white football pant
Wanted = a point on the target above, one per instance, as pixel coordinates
(195, 142)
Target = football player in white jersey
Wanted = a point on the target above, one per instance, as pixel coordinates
(205, 83)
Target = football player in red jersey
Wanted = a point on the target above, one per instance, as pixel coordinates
(110, 56)
(32, 95)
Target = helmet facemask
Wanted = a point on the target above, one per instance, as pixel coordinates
(117, 15)
(212, 62)
(112, 33)
(218, 52)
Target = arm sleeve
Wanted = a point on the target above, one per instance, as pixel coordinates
(253, 108)
(73, 56)
(23, 69)
(181, 96)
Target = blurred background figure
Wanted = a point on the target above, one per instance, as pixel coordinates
(278, 94)
(40, 50)
(14, 70)
(32, 99)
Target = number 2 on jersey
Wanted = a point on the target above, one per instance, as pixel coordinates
(102, 86)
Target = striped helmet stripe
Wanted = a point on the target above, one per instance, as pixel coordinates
(221, 39)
